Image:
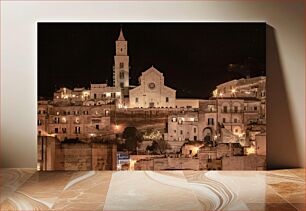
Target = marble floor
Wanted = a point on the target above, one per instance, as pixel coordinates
(27, 189)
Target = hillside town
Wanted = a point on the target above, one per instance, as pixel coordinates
(146, 127)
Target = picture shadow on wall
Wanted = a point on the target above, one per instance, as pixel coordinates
(282, 147)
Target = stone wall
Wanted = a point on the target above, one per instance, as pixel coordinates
(158, 164)
(104, 157)
(250, 162)
(75, 156)
(142, 118)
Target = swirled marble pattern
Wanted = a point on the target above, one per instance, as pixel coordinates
(12, 179)
(26, 189)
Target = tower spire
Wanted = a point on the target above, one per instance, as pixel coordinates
(121, 37)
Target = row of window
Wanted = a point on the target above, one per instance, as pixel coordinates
(210, 121)
(77, 129)
(181, 131)
(41, 112)
(195, 131)
(56, 120)
(137, 100)
(236, 108)
(106, 112)
(104, 95)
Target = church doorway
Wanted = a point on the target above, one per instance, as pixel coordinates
(151, 104)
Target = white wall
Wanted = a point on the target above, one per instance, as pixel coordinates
(19, 69)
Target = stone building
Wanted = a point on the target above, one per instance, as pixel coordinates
(182, 128)
(103, 94)
(152, 92)
(190, 104)
(232, 114)
(191, 149)
(74, 121)
(245, 87)
(67, 95)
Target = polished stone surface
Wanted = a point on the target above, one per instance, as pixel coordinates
(26, 189)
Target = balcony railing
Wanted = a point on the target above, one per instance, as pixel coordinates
(232, 111)
(251, 111)
(232, 123)
(210, 110)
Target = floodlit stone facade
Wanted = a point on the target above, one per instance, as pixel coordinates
(67, 95)
(187, 103)
(246, 87)
(152, 92)
(74, 121)
(231, 114)
(104, 94)
(121, 67)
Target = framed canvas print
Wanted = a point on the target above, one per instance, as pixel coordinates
(151, 96)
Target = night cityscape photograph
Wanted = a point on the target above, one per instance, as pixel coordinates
(151, 96)
(152, 105)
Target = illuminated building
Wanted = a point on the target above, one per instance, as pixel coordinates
(152, 92)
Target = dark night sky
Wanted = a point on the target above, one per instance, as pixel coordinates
(192, 56)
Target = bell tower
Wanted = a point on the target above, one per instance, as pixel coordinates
(121, 67)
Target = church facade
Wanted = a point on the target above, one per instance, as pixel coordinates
(152, 92)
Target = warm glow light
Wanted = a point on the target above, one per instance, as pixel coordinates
(73, 95)
(221, 94)
(233, 91)
(215, 93)
(192, 119)
(250, 150)
(239, 134)
(248, 92)
(92, 134)
(117, 127)
(196, 149)
(108, 94)
(64, 119)
(215, 137)
(132, 164)
(125, 107)
(118, 167)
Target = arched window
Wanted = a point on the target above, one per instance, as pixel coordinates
(121, 75)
